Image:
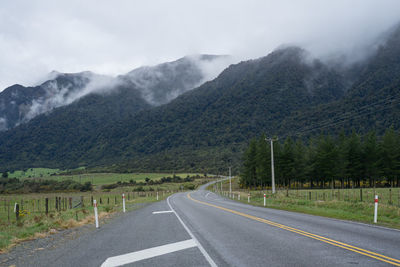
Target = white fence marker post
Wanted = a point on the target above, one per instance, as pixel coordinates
(157, 195)
(123, 202)
(376, 209)
(239, 196)
(96, 216)
(233, 195)
(248, 198)
(264, 200)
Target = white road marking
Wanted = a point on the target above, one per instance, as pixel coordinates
(203, 251)
(148, 253)
(163, 211)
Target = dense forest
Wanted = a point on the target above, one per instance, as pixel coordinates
(206, 129)
(344, 161)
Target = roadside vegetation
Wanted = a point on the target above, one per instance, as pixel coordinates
(71, 208)
(347, 204)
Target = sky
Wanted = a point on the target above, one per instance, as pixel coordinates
(114, 37)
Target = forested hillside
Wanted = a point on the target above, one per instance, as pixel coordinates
(286, 93)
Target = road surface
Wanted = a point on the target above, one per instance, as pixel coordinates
(203, 229)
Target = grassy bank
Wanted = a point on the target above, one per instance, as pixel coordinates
(347, 204)
(71, 209)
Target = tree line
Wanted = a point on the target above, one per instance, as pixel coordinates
(326, 161)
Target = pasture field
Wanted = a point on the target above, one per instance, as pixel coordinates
(348, 204)
(71, 209)
(33, 172)
(96, 179)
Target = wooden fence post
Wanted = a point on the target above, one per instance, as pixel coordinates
(70, 202)
(361, 195)
(47, 205)
(17, 211)
(82, 202)
(8, 212)
(390, 196)
(56, 203)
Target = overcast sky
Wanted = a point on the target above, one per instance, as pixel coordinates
(113, 37)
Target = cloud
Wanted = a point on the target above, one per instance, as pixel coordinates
(113, 37)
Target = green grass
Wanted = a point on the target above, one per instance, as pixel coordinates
(33, 172)
(109, 178)
(343, 204)
(35, 222)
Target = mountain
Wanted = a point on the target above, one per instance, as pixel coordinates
(286, 93)
(19, 104)
(157, 85)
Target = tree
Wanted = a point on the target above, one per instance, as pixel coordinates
(326, 160)
(287, 162)
(371, 157)
(390, 161)
(249, 176)
(5, 174)
(263, 159)
(300, 161)
(354, 167)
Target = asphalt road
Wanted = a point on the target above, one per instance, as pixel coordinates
(204, 229)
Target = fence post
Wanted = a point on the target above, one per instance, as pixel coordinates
(248, 198)
(123, 202)
(309, 195)
(265, 199)
(56, 203)
(8, 212)
(91, 200)
(47, 205)
(17, 211)
(376, 209)
(96, 216)
(390, 196)
(70, 202)
(361, 195)
(82, 202)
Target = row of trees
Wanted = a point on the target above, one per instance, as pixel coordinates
(342, 161)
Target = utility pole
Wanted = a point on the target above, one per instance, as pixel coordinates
(230, 182)
(272, 164)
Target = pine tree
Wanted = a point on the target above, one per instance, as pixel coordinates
(371, 158)
(390, 149)
(249, 176)
(354, 167)
(263, 162)
(287, 162)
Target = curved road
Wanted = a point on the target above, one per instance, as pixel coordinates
(203, 229)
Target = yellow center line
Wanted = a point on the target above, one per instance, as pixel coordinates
(365, 252)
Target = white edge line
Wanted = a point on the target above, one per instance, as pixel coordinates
(203, 251)
(162, 211)
(148, 253)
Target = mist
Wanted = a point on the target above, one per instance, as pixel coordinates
(114, 37)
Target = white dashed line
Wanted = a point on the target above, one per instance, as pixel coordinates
(163, 211)
(148, 253)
